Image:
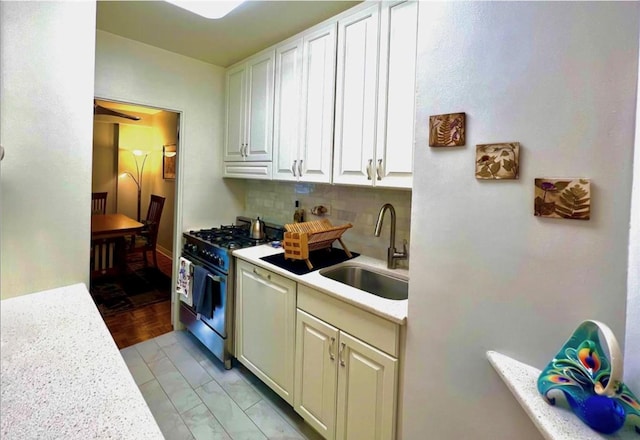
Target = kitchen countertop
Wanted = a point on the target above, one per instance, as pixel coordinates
(553, 421)
(62, 375)
(392, 310)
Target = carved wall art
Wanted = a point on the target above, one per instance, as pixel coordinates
(498, 161)
(447, 130)
(563, 198)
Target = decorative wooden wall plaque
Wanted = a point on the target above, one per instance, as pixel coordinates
(447, 130)
(498, 161)
(563, 198)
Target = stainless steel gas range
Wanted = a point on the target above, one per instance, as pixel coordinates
(208, 253)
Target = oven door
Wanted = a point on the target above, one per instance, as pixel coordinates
(214, 290)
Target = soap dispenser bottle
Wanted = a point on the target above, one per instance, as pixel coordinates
(298, 215)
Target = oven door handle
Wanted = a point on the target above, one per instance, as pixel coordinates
(214, 278)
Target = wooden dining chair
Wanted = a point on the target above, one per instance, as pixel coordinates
(145, 241)
(99, 202)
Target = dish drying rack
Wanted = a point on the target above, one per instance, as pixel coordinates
(302, 238)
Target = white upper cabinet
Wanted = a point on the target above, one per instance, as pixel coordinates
(286, 134)
(304, 106)
(396, 98)
(356, 91)
(336, 103)
(235, 107)
(249, 109)
(375, 96)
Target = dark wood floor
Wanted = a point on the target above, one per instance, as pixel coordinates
(131, 327)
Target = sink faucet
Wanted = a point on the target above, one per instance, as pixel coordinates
(392, 255)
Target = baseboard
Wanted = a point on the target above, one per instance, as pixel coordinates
(166, 252)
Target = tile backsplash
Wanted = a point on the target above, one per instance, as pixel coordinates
(275, 202)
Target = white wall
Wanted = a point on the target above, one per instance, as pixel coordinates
(104, 170)
(46, 62)
(133, 72)
(560, 78)
(632, 346)
(166, 133)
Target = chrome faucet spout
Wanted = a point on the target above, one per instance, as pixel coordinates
(392, 254)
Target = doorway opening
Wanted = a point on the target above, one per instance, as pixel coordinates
(135, 152)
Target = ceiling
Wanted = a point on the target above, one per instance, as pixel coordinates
(253, 26)
(128, 108)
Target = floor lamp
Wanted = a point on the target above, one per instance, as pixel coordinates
(138, 177)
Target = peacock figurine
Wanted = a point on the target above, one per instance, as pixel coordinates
(591, 383)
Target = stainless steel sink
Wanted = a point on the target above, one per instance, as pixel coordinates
(363, 278)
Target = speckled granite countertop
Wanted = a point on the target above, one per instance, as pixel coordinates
(395, 311)
(553, 422)
(62, 375)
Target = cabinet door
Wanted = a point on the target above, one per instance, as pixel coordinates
(319, 72)
(396, 100)
(356, 92)
(316, 373)
(260, 71)
(367, 388)
(234, 136)
(265, 326)
(286, 120)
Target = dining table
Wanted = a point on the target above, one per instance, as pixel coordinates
(108, 242)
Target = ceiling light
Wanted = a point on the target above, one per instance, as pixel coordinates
(208, 9)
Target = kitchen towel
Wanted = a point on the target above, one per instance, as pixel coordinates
(184, 278)
(209, 298)
(199, 284)
(202, 294)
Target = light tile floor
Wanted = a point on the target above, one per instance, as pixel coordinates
(192, 396)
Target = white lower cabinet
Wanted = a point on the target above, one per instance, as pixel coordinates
(265, 326)
(316, 373)
(335, 363)
(367, 391)
(345, 388)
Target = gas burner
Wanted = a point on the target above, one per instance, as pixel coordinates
(230, 237)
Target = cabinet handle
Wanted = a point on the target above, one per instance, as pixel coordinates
(332, 355)
(246, 149)
(340, 354)
(379, 169)
(300, 168)
(369, 169)
(267, 276)
(293, 168)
